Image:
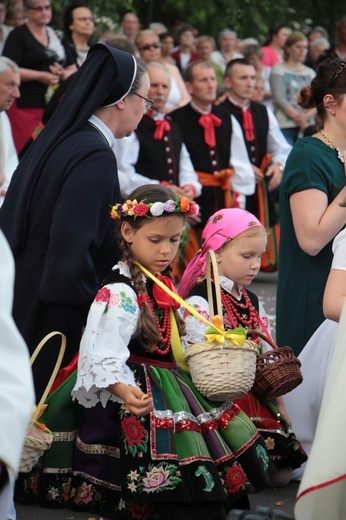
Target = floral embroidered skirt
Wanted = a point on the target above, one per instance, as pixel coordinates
(187, 452)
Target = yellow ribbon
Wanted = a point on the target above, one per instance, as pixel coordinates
(218, 333)
(238, 339)
(178, 299)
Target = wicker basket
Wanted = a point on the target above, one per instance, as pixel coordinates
(37, 441)
(277, 371)
(221, 372)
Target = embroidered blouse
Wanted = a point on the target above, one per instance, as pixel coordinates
(112, 321)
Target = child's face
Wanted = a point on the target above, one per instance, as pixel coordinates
(240, 260)
(155, 244)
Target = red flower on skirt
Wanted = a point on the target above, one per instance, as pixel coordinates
(133, 430)
(140, 511)
(103, 295)
(235, 479)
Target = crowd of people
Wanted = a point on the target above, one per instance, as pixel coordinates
(126, 158)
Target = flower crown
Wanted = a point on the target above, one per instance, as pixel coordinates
(133, 208)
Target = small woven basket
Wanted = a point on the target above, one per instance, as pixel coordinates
(37, 441)
(221, 372)
(277, 371)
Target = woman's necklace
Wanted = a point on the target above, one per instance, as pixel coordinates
(329, 143)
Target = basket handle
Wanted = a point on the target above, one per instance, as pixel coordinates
(267, 338)
(55, 370)
(211, 263)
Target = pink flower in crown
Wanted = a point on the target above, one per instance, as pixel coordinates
(170, 206)
(194, 209)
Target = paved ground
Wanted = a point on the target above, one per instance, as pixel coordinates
(280, 498)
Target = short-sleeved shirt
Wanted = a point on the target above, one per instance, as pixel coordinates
(302, 278)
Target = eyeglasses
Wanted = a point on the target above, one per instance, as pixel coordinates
(85, 19)
(148, 103)
(148, 46)
(338, 72)
(41, 8)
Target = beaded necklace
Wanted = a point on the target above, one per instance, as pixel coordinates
(241, 313)
(163, 324)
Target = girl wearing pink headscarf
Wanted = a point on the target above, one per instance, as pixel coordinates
(238, 239)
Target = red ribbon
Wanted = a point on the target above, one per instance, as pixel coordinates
(209, 121)
(162, 126)
(161, 297)
(248, 125)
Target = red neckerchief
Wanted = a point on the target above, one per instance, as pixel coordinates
(248, 125)
(162, 126)
(161, 297)
(208, 122)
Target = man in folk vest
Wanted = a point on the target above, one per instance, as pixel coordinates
(266, 145)
(155, 152)
(215, 143)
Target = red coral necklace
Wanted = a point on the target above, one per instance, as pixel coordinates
(240, 313)
(163, 326)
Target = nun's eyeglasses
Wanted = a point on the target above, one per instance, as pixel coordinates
(148, 103)
(337, 73)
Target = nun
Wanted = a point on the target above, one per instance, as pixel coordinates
(56, 212)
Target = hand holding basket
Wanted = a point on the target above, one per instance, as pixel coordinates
(226, 371)
(37, 441)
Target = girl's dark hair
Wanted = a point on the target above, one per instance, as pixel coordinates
(330, 79)
(68, 16)
(147, 332)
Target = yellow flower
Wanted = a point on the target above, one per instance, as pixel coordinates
(114, 212)
(129, 206)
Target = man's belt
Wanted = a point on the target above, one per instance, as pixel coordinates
(221, 180)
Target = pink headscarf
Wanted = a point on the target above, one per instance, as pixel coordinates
(222, 226)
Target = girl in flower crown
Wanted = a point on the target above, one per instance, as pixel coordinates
(150, 446)
(238, 239)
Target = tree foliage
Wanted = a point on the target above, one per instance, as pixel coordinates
(248, 17)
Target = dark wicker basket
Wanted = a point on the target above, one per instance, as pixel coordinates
(277, 371)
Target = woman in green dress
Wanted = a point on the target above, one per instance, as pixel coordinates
(312, 189)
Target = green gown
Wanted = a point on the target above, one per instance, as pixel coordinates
(302, 278)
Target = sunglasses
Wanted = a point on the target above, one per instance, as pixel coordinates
(148, 46)
(148, 103)
(41, 8)
(337, 73)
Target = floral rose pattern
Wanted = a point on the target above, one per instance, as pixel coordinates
(235, 479)
(84, 494)
(134, 435)
(158, 478)
(103, 295)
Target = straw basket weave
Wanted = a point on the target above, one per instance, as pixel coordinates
(277, 371)
(221, 372)
(37, 441)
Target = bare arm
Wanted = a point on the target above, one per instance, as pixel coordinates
(316, 223)
(334, 294)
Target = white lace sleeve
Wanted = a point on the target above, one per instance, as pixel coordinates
(112, 320)
(195, 329)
